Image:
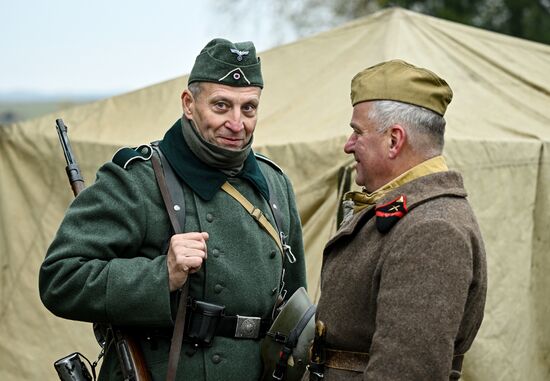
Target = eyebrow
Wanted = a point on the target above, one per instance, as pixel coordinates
(217, 98)
(354, 126)
(254, 101)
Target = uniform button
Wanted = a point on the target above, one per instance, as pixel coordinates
(218, 288)
(215, 253)
(216, 359)
(272, 254)
(209, 217)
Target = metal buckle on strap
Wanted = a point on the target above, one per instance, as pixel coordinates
(248, 327)
(286, 248)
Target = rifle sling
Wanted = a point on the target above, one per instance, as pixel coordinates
(171, 191)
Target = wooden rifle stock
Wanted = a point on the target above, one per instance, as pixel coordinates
(130, 355)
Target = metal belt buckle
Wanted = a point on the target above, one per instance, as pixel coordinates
(248, 327)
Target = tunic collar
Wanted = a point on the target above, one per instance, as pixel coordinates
(417, 191)
(363, 199)
(204, 180)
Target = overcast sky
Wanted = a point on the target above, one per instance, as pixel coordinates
(108, 47)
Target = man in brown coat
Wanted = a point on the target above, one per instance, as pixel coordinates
(404, 280)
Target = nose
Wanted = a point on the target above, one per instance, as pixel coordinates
(235, 122)
(349, 147)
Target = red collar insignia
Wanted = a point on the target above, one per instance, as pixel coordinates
(388, 214)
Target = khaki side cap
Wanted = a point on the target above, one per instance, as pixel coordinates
(400, 81)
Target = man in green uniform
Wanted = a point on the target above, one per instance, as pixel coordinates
(404, 280)
(115, 260)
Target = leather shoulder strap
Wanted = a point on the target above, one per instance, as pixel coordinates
(171, 190)
(256, 213)
(174, 201)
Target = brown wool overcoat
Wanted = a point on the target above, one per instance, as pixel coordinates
(412, 297)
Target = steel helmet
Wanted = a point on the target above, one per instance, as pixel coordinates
(285, 349)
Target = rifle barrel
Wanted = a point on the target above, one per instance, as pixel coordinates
(72, 168)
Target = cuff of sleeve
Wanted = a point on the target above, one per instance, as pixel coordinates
(137, 292)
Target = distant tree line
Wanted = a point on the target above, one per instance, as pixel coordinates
(528, 19)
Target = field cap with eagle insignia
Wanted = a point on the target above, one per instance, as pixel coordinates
(228, 63)
(400, 81)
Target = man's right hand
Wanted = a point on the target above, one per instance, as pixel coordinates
(186, 254)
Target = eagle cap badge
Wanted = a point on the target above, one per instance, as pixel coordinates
(239, 53)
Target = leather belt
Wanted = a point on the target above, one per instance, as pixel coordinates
(357, 362)
(240, 327)
(346, 360)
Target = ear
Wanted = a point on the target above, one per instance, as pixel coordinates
(398, 137)
(187, 102)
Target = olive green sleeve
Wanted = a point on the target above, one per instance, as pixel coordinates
(102, 265)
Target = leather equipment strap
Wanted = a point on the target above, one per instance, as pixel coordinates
(171, 207)
(177, 222)
(456, 371)
(256, 213)
(357, 362)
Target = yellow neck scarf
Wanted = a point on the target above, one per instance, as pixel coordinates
(362, 200)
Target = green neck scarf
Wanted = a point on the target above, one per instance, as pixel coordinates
(229, 162)
(204, 179)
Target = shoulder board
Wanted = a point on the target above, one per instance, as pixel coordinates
(267, 160)
(126, 155)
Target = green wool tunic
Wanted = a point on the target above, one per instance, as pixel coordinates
(107, 263)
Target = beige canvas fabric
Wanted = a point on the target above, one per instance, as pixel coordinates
(498, 136)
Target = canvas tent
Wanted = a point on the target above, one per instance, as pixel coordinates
(498, 136)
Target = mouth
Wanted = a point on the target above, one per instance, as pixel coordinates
(230, 141)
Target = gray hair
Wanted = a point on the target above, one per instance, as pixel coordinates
(195, 89)
(425, 128)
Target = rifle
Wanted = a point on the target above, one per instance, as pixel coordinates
(130, 356)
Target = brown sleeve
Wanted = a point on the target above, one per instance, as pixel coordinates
(424, 285)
